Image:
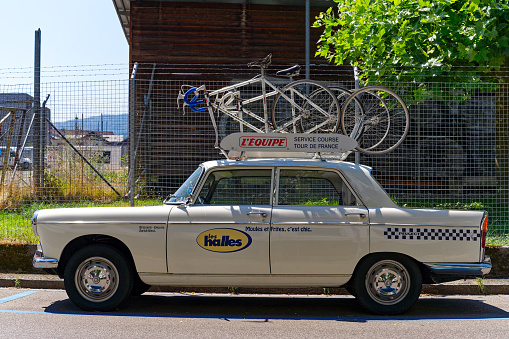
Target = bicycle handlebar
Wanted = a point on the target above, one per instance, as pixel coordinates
(194, 101)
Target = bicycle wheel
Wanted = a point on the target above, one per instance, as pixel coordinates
(377, 118)
(342, 94)
(305, 106)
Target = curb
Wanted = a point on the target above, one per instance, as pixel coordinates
(462, 287)
(18, 258)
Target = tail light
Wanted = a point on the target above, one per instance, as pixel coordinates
(484, 231)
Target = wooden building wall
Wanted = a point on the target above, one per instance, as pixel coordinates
(219, 33)
(201, 42)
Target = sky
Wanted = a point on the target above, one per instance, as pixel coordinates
(73, 33)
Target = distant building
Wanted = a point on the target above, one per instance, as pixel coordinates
(104, 150)
(23, 117)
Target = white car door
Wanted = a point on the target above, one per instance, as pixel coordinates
(226, 231)
(318, 225)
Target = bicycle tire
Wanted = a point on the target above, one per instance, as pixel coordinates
(381, 117)
(319, 108)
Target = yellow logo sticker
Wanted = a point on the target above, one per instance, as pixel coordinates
(224, 240)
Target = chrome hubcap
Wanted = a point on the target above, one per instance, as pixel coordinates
(387, 282)
(96, 279)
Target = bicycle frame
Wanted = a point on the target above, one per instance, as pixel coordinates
(222, 106)
(213, 102)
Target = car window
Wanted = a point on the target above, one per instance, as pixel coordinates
(313, 187)
(187, 187)
(237, 187)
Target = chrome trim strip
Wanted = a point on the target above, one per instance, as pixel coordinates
(359, 223)
(461, 269)
(142, 274)
(245, 280)
(109, 222)
(282, 223)
(421, 225)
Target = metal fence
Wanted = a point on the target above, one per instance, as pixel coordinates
(455, 156)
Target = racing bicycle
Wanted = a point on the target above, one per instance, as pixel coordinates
(301, 106)
(374, 116)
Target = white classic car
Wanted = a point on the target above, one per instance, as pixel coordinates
(264, 223)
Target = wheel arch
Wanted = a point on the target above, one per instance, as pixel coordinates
(91, 239)
(387, 283)
(425, 273)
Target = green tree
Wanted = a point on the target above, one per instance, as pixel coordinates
(426, 42)
(417, 38)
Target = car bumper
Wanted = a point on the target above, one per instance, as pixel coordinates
(461, 270)
(39, 261)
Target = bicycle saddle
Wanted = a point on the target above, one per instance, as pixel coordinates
(263, 63)
(289, 72)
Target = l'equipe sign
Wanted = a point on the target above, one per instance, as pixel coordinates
(288, 142)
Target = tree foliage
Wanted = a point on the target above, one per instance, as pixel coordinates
(418, 38)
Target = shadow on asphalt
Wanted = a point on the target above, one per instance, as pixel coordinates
(264, 308)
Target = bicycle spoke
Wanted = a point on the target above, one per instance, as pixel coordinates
(308, 105)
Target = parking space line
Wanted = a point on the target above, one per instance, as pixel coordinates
(176, 316)
(17, 296)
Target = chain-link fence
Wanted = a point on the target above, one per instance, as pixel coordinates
(456, 154)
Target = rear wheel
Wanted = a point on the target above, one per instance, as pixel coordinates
(387, 284)
(377, 118)
(98, 278)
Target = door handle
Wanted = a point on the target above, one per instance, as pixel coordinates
(263, 214)
(362, 215)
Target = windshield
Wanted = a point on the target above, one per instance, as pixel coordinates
(187, 187)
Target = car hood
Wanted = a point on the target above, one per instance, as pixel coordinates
(98, 215)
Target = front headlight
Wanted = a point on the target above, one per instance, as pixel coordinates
(34, 223)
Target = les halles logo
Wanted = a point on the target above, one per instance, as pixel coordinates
(223, 240)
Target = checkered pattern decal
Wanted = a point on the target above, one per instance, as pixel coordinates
(432, 234)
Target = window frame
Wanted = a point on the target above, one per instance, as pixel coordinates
(275, 175)
(278, 169)
(232, 168)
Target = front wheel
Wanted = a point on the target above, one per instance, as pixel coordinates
(98, 278)
(387, 284)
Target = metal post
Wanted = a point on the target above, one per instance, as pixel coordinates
(419, 191)
(132, 143)
(147, 104)
(146, 120)
(37, 111)
(357, 86)
(308, 38)
(44, 138)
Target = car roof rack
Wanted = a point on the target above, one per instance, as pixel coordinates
(287, 145)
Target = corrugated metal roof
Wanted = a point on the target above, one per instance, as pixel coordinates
(123, 8)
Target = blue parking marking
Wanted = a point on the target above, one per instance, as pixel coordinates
(16, 296)
(177, 316)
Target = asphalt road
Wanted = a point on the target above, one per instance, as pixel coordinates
(28, 313)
